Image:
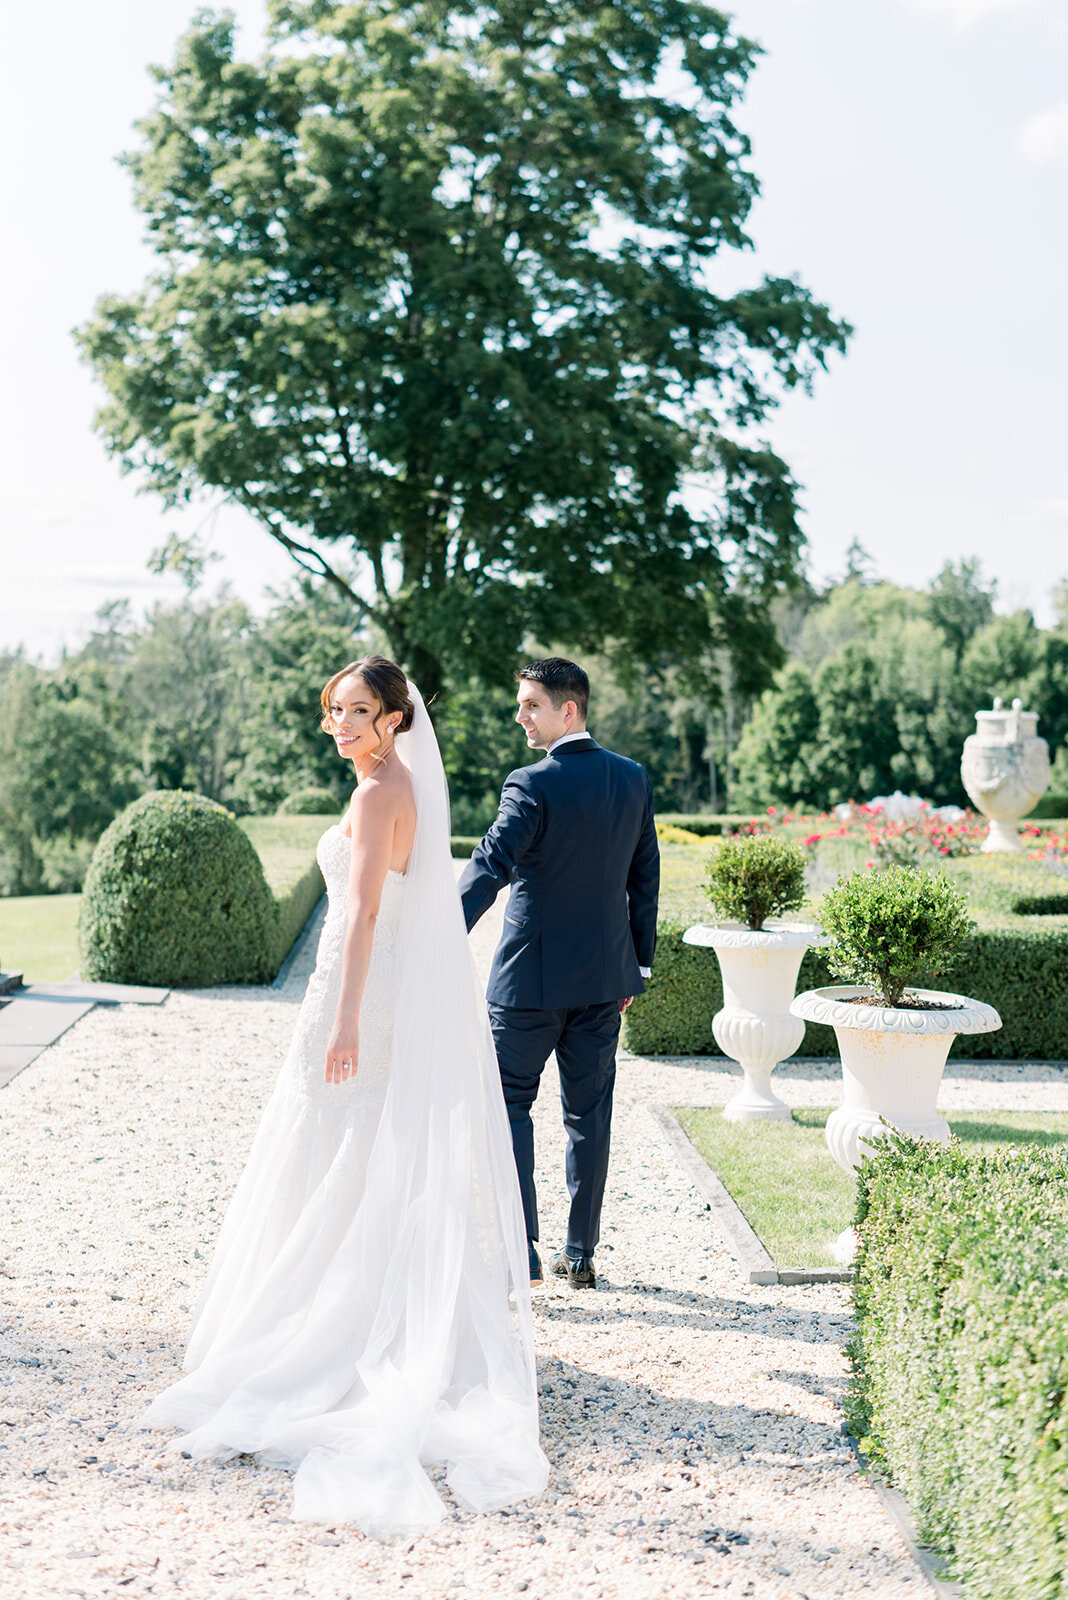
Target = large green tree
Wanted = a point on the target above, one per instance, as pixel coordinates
(304, 639)
(432, 303)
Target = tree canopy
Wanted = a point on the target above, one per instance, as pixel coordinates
(433, 304)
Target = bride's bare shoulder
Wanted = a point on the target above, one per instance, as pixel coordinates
(381, 796)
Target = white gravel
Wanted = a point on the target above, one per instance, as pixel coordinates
(692, 1420)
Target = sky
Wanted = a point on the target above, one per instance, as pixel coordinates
(913, 159)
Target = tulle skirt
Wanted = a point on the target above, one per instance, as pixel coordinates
(361, 1320)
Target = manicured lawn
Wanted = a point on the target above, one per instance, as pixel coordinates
(683, 869)
(39, 936)
(286, 845)
(795, 1197)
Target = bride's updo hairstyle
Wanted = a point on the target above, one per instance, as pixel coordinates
(386, 682)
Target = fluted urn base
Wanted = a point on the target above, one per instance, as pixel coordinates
(852, 1130)
(751, 1041)
(755, 1028)
(892, 1063)
(1003, 837)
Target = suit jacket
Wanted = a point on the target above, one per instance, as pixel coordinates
(576, 839)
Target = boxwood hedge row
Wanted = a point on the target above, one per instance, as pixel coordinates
(959, 1389)
(1015, 960)
(294, 908)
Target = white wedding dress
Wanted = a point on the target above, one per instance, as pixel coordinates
(367, 1312)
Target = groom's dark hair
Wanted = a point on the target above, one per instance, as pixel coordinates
(562, 680)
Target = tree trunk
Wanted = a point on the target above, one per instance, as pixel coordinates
(422, 665)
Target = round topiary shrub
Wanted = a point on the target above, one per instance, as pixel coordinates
(755, 876)
(309, 803)
(894, 929)
(175, 895)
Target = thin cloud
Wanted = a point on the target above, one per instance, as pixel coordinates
(1044, 137)
(1039, 513)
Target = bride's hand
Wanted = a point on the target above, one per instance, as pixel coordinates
(343, 1052)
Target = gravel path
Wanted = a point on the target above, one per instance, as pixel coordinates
(692, 1420)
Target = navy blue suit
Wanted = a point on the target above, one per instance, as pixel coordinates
(576, 841)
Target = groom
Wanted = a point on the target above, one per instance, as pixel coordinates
(576, 841)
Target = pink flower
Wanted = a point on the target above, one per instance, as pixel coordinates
(813, 838)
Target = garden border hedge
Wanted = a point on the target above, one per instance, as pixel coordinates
(959, 1390)
(294, 909)
(708, 825)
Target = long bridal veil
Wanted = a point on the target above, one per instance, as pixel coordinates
(414, 1346)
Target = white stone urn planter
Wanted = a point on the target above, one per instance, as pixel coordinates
(1005, 769)
(759, 968)
(893, 1058)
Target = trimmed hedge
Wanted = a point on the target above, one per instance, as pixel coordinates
(1016, 960)
(707, 826)
(175, 895)
(674, 1015)
(286, 847)
(959, 1390)
(294, 908)
(1052, 807)
(310, 803)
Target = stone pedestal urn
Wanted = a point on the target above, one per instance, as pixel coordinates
(759, 968)
(1005, 770)
(892, 1064)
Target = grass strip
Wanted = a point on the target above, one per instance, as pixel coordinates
(39, 936)
(794, 1197)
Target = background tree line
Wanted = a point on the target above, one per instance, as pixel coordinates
(878, 691)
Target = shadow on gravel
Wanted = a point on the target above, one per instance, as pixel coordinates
(812, 1383)
(673, 1308)
(241, 995)
(804, 1068)
(589, 1412)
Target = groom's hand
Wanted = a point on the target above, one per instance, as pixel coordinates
(623, 1004)
(343, 1052)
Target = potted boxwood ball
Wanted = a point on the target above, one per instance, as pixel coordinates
(752, 881)
(889, 932)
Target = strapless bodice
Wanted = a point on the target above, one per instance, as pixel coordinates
(334, 855)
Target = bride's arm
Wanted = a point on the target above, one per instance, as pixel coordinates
(373, 818)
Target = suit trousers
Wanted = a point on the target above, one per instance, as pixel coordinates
(585, 1039)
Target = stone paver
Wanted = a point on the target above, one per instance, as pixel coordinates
(40, 1013)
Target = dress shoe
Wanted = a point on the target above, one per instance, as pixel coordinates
(578, 1270)
(537, 1278)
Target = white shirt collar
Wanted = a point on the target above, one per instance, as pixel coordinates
(565, 738)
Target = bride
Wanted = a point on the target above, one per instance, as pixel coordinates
(367, 1312)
